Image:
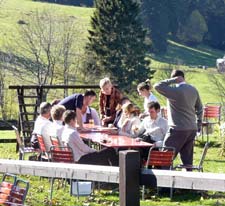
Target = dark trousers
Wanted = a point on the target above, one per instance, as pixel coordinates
(183, 142)
(106, 156)
(144, 151)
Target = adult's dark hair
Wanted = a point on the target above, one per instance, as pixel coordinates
(68, 115)
(89, 92)
(144, 85)
(177, 73)
(55, 101)
(155, 105)
(45, 107)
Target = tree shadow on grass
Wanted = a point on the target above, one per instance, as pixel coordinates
(182, 195)
(178, 53)
(19, 62)
(88, 3)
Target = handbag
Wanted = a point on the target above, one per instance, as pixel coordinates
(34, 141)
(147, 138)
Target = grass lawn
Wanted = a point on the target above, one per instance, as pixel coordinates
(191, 56)
(11, 11)
(39, 189)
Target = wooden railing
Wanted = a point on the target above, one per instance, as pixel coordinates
(128, 175)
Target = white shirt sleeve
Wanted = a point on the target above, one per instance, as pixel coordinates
(130, 127)
(152, 98)
(78, 143)
(46, 136)
(95, 116)
(141, 128)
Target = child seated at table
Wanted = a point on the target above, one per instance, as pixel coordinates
(83, 154)
(119, 113)
(57, 125)
(131, 121)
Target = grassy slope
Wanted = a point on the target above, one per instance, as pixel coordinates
(194, 56)
(188, 59)
(11, 12)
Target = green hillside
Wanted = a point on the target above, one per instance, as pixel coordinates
(11, 11)
(192, 56)
(177, 56)
(188, 58)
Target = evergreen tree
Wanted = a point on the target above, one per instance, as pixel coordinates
(117, 43)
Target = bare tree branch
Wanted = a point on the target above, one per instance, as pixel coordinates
(46, 48)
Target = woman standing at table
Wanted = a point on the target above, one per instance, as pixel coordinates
(144, 90)
(109, 97)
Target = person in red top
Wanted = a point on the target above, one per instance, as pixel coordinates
(109, 97)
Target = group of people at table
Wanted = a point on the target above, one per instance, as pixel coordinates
(66, 119)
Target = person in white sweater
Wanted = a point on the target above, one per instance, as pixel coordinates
(42, 125)
(83, 154)
(57, 118)
(89, 113)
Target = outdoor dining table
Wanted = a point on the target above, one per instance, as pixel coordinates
(105, 137)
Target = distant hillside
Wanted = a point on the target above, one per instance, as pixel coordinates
(177, 56)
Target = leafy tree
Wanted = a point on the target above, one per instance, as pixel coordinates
(178, 12)
(214, 13)
(194, 30)
(156, 19)
(117, 43)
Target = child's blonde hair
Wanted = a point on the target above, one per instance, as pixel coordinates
(129, 107)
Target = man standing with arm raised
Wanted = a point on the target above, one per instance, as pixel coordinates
(184, 105)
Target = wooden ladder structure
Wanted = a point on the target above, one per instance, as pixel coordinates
(29, 99)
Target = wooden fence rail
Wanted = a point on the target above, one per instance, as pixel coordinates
(128, 175)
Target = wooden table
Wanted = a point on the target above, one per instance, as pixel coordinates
(115, 141)
(98, 129)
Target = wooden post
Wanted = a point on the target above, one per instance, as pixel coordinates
(129, 163)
